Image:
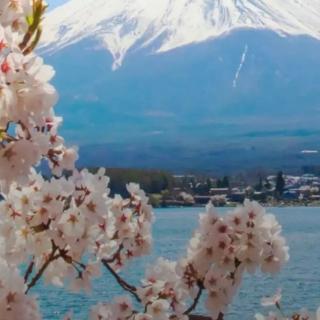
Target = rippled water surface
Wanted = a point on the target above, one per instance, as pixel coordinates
(300, 280)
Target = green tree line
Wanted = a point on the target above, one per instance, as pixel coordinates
(152, 181)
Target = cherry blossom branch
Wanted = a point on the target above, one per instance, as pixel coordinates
(36, 278)
(29, 270)
(25, 129)
(34, 28)
(125, 285)
(197, 298)
(115, 255)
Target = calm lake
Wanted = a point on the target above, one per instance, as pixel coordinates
(300, 280)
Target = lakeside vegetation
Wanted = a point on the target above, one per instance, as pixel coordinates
(166, 189)
(152, 181)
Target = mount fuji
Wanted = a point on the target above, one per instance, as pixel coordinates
(205, 80)
(121, 25)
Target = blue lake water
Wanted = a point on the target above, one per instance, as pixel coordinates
(300, 279)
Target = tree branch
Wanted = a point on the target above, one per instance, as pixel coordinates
(196, 300)
(29, 271)
(115, 255)
(125, 285)
(51, 258)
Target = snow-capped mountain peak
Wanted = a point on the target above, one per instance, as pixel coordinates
(120, 25)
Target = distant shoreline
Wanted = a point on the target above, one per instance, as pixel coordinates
(266, 205)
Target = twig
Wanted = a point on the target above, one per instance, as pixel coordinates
(125, 285)
(51, 258)
(29, 271)
(196, 300)
(115, 255)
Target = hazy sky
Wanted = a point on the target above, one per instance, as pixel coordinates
(55, 3)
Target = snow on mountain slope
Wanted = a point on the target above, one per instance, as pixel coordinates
(120, 25)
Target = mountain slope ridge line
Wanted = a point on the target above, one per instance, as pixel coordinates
(168, 24)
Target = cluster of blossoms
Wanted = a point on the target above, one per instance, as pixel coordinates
(28, 125)
(221, 250)
(65, 228)
(303, 314)
(122, 308)
(14, 303)
(60, 229)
